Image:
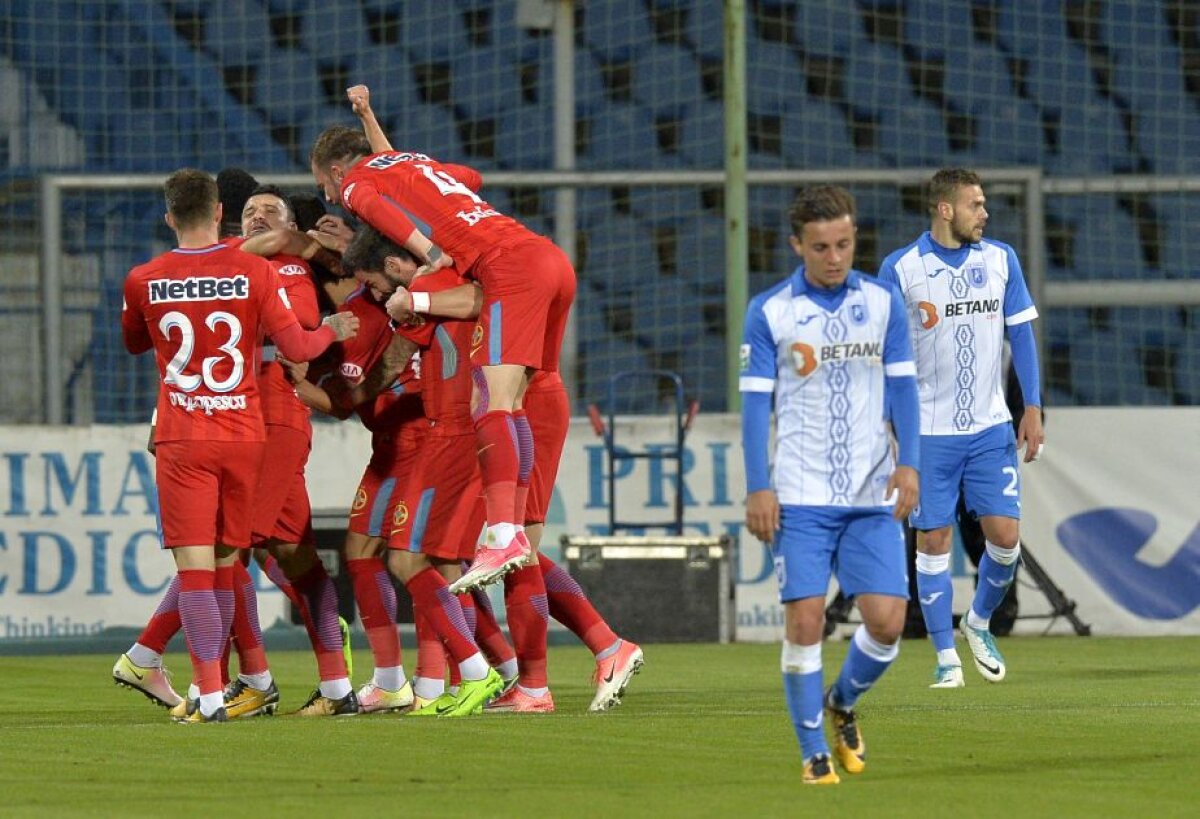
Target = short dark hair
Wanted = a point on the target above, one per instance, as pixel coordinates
(821, 203)
(191, 197)
(277, 192)
(308, 208)
(338, 142)
(948, 180)
(369, 249)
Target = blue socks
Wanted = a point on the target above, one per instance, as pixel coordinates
(935, 592)
(996, 572)
(865, 664)
(803, 690)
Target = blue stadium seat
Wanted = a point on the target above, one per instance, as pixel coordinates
(387, 72)
(1178, 216)
(1187, 367)
(978, 78)
(706, 32)
(1063, 325)
(525, 137)
(668, 313)
(1131, 28)
(773, 76)
(815, 136)
(429, 29)
(1150, 326)
(705, 373)
(768, 207)
(700, 250)
(702, 140)
(620, 255)
(239, 33)
(593, 206)
(827, 27)
(1106, 243)
(1061, 81)
(1170, 137)
(484, 82)
(431, 129)
(1025, 27)
(621, 135)
(1091, 140)
(333, 32)
(914, 134)
(286, 87)
(665, 78)
(877, 79)
(1105, 369)
(617, 30)
(149, 142)
(932, 27)
(664, 204)
(1009, 132)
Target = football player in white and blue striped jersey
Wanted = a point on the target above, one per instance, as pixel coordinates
(831, 346)
(962, 292)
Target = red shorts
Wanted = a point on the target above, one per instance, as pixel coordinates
(528, 289)
(281, 509)
(440, 513)
(392, 462)
(549, 413)
(206, 491)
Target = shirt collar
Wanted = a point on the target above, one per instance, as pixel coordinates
(927, 245)
(800, 285)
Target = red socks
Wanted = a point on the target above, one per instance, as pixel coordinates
(496, 442)
(570, 606)
(376, 598)
(431, 596)
(525, 601)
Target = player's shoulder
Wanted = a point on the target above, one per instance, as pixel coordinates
(775, 292)
(893, 259)
(995, 246)
(875, 285)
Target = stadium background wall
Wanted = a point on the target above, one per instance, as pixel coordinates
(79, 552)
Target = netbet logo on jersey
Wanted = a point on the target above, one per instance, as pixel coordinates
(199, 288)
(806, 359)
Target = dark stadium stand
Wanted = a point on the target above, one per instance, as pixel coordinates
(1076, 87)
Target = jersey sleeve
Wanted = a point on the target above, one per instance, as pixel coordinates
(445, 279)
(380, 212)
(757, 358)
(297, 280)
(276, 306)
(887, 271)
(897, 343)
(133, 322)
(1018, 304)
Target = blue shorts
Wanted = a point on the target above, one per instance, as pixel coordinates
(863, 546)
(983, 466)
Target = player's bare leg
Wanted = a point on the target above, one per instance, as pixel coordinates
(935, 593)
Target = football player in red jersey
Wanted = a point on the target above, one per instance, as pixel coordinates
(201, 307)
(528, 287)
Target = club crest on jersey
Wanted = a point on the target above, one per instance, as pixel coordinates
(744, 358)
(977, 276)
(400, 517)
(476, 338)
(360, 499)
(858, 314)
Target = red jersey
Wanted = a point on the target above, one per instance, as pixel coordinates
(279, 402)
(445, 360)
(204, 311)
(400, 403)
(396, 192)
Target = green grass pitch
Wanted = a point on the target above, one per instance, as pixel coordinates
(1081, 727)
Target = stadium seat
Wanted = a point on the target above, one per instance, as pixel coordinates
(430, 129)
(827, 27)
(1187, 367)
(1104, 367)
(1132, 28)
(1061, 81)
(334, 31)
(429, 29)
(484, 82)
(617, 30)
(1106, 243)
(619, 256)
(700, 250)
(149, 141)
(664, 204)
(702, 138)
(978, 78)
(1150, 326)
(665, 78)
(933, 27)
(877, 79)
(815, 135)
(239, 33)
(774, 76)
(287, 87)
(1031, 26)
(525, 138)
(1170, 136)
(620, 135)
(914, 134)
(668, 313)
(1180, 249)
(1009, 132)
(388, 73)
(593, 206)
(1091, 140)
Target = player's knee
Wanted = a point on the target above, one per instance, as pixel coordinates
(935, 541)
(1002, 532)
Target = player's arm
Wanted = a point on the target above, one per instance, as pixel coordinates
(360, 103)
(280, 323)
(389, 219)
(758, 369)
(903, 402)
(461, 302)
(384, 372)
(1019, 313)
(293, 243)
(134, 332)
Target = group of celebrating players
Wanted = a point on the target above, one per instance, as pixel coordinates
(443, 327)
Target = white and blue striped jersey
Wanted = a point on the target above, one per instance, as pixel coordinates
(959, 302)
(825, 360)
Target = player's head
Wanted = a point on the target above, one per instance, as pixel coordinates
(378, 262)
(192, 200)
(267, 209)
(308, 209)
(234, 187)
(823, 233)
(956, 203)
(333, 154)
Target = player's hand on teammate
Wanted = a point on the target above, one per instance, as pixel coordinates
(360, 100)
(1030, 434)
(400, 305)
(903, 486)
(345, 325)
(333, 233)
(296, 371)
(762, 514)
